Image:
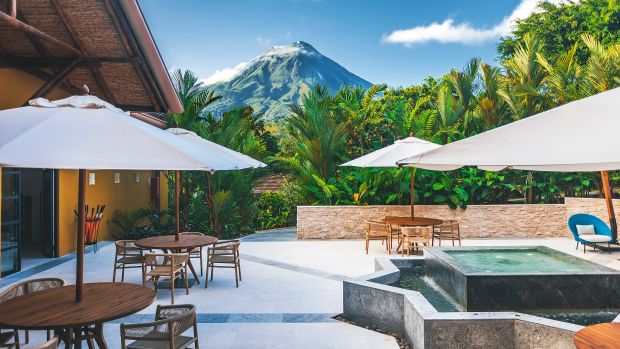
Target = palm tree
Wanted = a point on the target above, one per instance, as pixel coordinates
(602, 70)
(563, 79)
(193, 96)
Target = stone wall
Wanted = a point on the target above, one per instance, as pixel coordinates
(476, 221)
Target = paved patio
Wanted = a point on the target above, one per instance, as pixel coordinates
(290, 291)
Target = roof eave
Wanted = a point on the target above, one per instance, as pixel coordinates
(151, 53)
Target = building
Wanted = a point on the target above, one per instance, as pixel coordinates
(51, 48)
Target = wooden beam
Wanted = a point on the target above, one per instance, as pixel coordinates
(47, 77)
(58, 62)
(80, 45)
(35, 41)
(115, 14)
(23, 27)
(59, 78)
(610, 206)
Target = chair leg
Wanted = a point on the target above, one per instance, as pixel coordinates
(239, 266)
(236, 277)
(402, 252)
(114, 274)
(26, 337)
(387, 245)
(576, 248)
(367, 241)
(123, 273)
(186, 281)
(201, 261)
(584, 248)
(608, 248)
(172, 280)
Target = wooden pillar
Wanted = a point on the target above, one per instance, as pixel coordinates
(79, 272)
(177, 200)
(610, 206)
(411, 189)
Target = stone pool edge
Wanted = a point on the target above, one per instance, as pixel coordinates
(369, 301)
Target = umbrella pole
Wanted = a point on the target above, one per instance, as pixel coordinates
(177, 195)
(411, 189)
(79, 272)
(610, 206)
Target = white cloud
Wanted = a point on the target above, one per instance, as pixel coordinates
(225, 74)
(464, 33)
(263, 41)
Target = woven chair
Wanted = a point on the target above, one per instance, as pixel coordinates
(376, 230)
(196, 253)
(413, 237)
(448, 230)
(24, 288)
(166, 332)
(224, 254)
(167, 265)
(128, 255)
(50, 344)
(9, 339)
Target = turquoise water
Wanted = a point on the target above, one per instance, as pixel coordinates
(413, 279)
(530, 261)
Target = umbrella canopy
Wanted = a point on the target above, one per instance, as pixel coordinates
(84, 132)
(578, 136)
(389, 156)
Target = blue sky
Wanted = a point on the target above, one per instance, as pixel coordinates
(398, 42)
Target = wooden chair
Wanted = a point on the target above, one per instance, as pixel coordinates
(224, 254)
(414, 236)
(196, 253)
(50, 344)
(128, 255)
(166, 332)
(376, 230)
(448, 230)
(169, 265)
(21, 289)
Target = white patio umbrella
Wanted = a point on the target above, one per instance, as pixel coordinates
(84, 132)
(389, 156)
(578, 136)
(210, 153)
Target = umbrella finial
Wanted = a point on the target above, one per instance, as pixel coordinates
(85, 90)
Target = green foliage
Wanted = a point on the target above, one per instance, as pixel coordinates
(274, 210)
(143, 222)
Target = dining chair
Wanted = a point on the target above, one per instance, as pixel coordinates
(448, 230)
(376, 230)
(166, 332)
(24, 288)
(167, 265)
(224, 254)
(127, 255)
(196, 252)
(413, 237)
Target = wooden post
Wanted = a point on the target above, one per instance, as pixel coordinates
(177, 199)
(13, 8)
(610, 206)
(411, 189)
(79, 272)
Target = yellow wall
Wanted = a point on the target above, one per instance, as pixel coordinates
(17, 87)
(125, 196)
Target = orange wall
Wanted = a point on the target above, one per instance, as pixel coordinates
(17, 87)
(125, 196)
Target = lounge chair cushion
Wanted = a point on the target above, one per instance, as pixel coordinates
(585, 229)
(595, 238)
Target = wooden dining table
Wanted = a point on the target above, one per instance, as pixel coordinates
(409, 221)
(186, 243)
(599, 336)
(56, 309)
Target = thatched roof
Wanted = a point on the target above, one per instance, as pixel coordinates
(104, 44)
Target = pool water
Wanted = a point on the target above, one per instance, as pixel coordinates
(413, 279)
(579, 318)
(530, 261)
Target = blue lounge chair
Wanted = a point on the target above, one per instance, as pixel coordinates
(602, 232)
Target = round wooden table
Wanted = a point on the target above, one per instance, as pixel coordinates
(411, 222)
(57, 309)
(185, 243)
(600, 336)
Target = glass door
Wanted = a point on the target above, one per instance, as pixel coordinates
(11, 221)
(49, 204)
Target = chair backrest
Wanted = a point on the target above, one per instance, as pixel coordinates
(449, 227)
(181, 317)
(30, 286)
(165, 259)
(423, 232)
(376, 227)
(225, 247)
(127, 247)
(51, 344)
(600, 227)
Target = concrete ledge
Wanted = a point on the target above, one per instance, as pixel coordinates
(411, 315)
